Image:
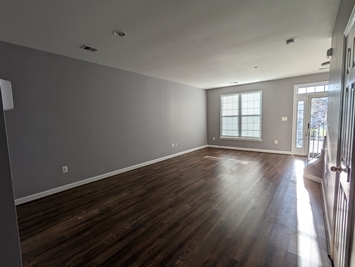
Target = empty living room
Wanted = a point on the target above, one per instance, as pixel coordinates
(177, 133)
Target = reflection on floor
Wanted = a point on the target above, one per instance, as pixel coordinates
(211, 207)
(310, 226)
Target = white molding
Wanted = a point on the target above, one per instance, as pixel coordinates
(306, 98)
(312, 177)
(327, 227)
(350, 22)
(296, 86)
(100, 177)
(253, 149)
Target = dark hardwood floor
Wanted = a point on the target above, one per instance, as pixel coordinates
(211, 207)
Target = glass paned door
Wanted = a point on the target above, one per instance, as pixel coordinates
(317, 126)
(309, 119)
(300, 124)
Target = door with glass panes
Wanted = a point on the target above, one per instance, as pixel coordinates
(309, 119)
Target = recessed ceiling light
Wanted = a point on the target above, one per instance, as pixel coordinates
(290, 41)
(119, 33)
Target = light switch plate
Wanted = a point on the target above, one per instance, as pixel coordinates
(284, 118)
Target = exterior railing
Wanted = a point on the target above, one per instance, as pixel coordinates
(316, 140)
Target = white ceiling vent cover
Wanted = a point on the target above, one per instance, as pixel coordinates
(89, 48)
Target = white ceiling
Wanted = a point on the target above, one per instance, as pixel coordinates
(202, 43)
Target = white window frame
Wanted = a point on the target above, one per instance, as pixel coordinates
(241, 138)
(306, 98)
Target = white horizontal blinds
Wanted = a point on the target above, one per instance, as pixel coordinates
(251, 114)
(300, 115)
(230, 115)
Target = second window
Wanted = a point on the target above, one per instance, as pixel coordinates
(241, 115)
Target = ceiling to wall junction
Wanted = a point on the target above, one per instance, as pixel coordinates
(201, 43)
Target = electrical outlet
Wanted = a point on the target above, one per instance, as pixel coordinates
(276, 142)
(65, 169)
(172, 145)
(213, 138)
(284, 118)
(175, 144)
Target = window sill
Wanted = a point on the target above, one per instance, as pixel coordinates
(241, 138)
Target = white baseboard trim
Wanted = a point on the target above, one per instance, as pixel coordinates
(253, 149)
(312, 177)
(100, 177)
(327, 226)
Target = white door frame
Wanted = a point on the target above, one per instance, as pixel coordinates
(306, 98)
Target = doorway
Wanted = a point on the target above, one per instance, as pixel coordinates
(309, 119)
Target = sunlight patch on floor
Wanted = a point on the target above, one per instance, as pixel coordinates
(307, 244)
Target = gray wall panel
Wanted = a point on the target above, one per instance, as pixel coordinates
(277, 102)
(92, 118)
(10, 255)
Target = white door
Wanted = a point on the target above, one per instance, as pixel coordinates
(346, 160)
(306, 124)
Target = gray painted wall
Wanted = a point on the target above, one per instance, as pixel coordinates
(335, 81)
(92, 118)
(10, 255)
(277, 102)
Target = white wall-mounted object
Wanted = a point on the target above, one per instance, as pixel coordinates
(284, 118)
(6, 92)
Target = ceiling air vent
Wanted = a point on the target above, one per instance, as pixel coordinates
(89, 48)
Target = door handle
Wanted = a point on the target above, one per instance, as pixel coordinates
(337, 169)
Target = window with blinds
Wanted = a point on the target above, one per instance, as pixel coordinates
(241, 115)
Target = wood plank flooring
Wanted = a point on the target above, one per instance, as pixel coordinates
(211, 207)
